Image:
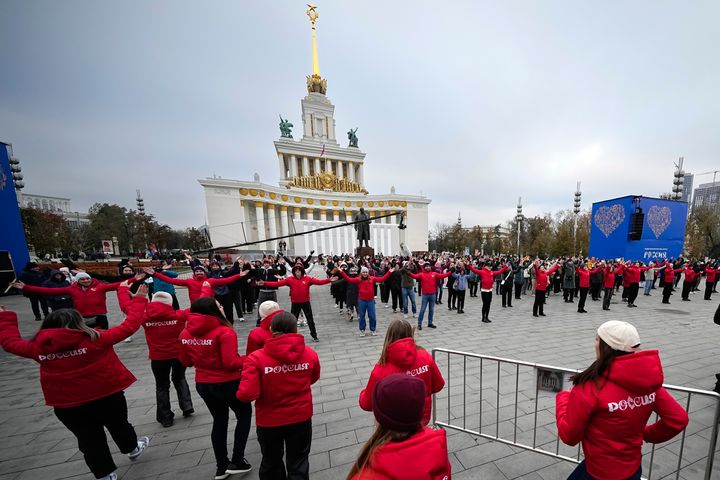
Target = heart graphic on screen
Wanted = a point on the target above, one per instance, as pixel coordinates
(608, 219)
(659, 219)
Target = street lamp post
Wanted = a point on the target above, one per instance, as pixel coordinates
(576, 211)
(518, 221)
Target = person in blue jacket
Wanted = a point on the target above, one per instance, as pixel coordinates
(160, 286)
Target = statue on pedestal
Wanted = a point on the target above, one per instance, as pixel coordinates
(353, 138)
(285, 128)
(362, 228)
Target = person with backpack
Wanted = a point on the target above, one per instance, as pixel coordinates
(610, 403)
(278, 378)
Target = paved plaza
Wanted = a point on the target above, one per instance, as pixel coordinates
(34, 445)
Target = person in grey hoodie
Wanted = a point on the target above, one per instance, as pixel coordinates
(407, 286)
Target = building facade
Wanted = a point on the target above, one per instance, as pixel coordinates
(707, 195)
(321, 185)
(57, 205)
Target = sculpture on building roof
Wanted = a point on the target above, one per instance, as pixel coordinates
(353, 138)
(285, 128)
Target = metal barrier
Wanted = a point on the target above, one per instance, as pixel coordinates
(475, 401)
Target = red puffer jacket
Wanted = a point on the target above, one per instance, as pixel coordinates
(609, 278)
(88, 301)
(195, 286)
(259, 335)
(487, 276)
(584, 275)
(669, 273)
(423, 456)
(74, 369)
(428, 280)
(710, 274)
(162, 327)
(211, 347)
(611, 420)
(541, 278)
(690, 274)
(366, 291)
(403, 356)
(278, 378)
(299, 289)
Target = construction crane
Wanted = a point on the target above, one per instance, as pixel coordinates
(714, 174)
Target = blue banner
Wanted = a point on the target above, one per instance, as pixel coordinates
(12, 237)
(663, 232)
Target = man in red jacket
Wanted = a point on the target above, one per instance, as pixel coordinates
(632, 277)
(487, 277)
(88, 296)
(259, 335)
(194, 285)
(688, 283)
(278, 378)
(710, 274)
(541, 283)
(366, 296)
(300, 284)
(668, 273)
(428, 284)
(584, 284)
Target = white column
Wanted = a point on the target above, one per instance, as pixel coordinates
(360, 175)
(260, 225)
(391, 247)
(336, 215)
(340, 169)
(293, 166)
(283, 172)
(328, 165)
(306, 166)
(351, 171)
(283, 220)
(318, 169)
(272, 212)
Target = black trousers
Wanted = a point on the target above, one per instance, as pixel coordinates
(98, 321)
(583, 297)
(460, 299)
(176, 304)
(88, 423)
(486, 301)
(384, 293)
(539, 302)
(227, 303)
(633, 290)
(220, 399)
(307, 311)
(451, 298)
(246, 294)
(506, 289)
(667, 291)
(595, 289)
(237, 301)
(292, 441)
(686, 288)
(606, 298)
(518, 290)
(264, 295)
(708, 289)
(164, 371)
(473, 288)
(395, 293)
(37, 302)
(568, 294)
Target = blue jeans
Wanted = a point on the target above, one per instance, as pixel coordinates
(369, 307)
(428, 300)
(580, 473)
(648, 286)
(408, 293)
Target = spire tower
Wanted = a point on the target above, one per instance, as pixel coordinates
(315, 83)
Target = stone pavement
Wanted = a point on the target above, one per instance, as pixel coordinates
(34, 445)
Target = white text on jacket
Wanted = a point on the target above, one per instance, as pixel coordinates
(59, 355)
(197, 341)
(418, 371)
(631, 403)
(287, 368)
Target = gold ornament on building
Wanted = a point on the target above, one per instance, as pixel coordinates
(253, 192)
(243, 191)
(284, 198)
(335, 203)
(273, 195)
(323, 202)
(310, 201)
(325, 181)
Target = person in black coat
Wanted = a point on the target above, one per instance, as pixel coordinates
(268, 272)
(31, 275)
(58, 280)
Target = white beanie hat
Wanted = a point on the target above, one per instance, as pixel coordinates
(619, 336)
(162, 297)
(364, 270)
(268, 307)
(82, 275)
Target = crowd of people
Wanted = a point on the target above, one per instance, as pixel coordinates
(277, 370)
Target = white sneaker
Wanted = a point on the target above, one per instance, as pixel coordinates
(414, 315)
(109, 476)
(142, 444)
(241, 319)
(386, 305)
(336, 305)
(405, 316)
(128, 340)
(362, 333)
(373, 333)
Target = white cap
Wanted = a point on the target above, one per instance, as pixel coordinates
(364, 270)
(162, 297)
(82, 275)
(268, 307)
(619, 336)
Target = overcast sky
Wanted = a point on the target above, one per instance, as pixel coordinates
(472, 103)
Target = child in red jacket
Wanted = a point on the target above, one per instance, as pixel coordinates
(83, 379)
(610, 403)
(259, 335)
(210, 345)
(401, 355)
(401, 448)
(278, 377)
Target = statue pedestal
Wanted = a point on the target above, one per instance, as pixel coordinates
(365, 251)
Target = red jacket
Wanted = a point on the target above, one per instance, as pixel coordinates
(611, 420)
(163, 326)
(423, 456)
(669, 273)
(541, 278)
(584, 275)
(428, 280)
(486, 276)
(278, 378)
(609, 278)
(366, 291)
(89, 301)
(194, 285)
(632, 274)
(74, 369)
(689, 274)
(259, 335)
(211, 347)
(299, 289)
(404, 356)
(710, 274)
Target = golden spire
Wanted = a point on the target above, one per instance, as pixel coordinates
(315, 83)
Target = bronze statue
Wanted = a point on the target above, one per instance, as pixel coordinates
(353, 138)
(362, 228)
(285, 128)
